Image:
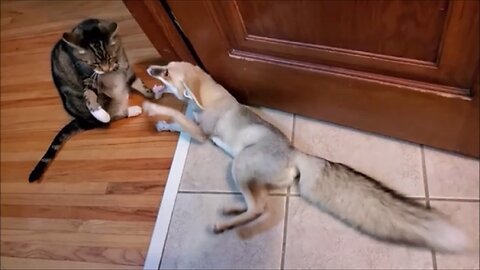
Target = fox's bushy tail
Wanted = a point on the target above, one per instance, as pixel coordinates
(62, 136)
(374, 209)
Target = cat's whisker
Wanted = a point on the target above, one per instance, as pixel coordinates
(94, 76)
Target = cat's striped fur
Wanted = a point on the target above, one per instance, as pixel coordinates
(93, 77)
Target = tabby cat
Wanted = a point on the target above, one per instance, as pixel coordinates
(93, 77)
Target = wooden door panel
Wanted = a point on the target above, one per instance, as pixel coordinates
(440, 73)
(411, 96)
(406, 29)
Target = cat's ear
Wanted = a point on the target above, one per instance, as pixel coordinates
(112, 29)
(72, 40)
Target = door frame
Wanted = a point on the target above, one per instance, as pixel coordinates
(160, 27)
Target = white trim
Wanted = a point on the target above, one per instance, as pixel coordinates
(159, 235)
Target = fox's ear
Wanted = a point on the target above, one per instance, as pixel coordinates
(156, 71)
(191, 93)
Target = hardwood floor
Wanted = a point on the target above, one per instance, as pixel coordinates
(97, 203)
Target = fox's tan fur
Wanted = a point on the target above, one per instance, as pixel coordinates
(263, 158)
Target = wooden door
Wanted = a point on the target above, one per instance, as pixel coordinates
(406, 69)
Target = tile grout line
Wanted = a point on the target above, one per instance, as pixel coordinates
(427, 196)
(287, 203)
(285, 223)
(434, 260)
(210, 192)
(220, 192)
(278, 194)
(455, 200)
(424, 176)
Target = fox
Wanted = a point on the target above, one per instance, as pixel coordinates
(263, 158)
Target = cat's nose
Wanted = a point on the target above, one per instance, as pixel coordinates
(105, 67)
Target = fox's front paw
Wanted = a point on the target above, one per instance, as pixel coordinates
(147, 107)
(164, 126)
(196, 117)
(134, 111)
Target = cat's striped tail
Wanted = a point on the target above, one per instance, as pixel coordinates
(62, 136)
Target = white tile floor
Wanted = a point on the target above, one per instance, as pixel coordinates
(294, 235)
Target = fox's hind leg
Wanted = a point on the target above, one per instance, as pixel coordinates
(254, 194)
(255, 199)
(237, 208)
(234, 208)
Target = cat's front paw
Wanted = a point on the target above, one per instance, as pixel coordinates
(149, 93)
(101, 115)
(134, 111)
(140, 87)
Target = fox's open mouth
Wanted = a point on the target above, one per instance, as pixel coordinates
(158, 72)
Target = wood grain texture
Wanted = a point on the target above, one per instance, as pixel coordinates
(97, 203)
(60, 251)
(26, 263)
(93, 226)
(410, 29)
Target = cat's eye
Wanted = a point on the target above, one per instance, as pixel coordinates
(166, 73)
(81, 52)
